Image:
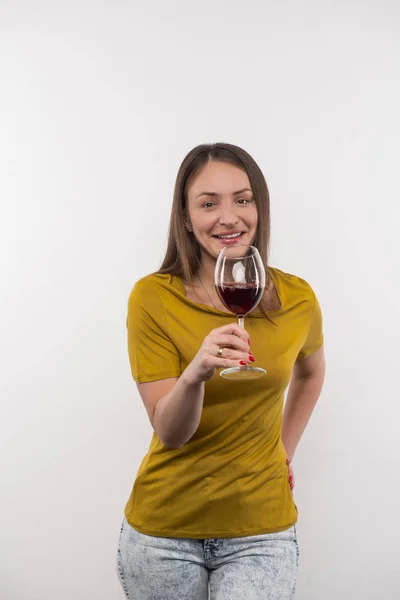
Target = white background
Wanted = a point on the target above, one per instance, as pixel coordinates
(99, 103)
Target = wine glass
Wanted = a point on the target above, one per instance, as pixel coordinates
(240, 282)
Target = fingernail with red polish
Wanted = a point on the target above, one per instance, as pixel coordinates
(251, 358)
(243, 362)
(248, 341)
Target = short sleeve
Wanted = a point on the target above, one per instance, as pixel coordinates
(152, 355)
(315, 336)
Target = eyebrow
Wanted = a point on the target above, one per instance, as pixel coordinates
(234, 193)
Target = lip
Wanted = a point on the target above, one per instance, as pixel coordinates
(230, 232)
(229, 241)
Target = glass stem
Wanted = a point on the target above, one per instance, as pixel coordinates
(241, 322)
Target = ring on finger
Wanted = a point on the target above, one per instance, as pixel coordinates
(219, 353)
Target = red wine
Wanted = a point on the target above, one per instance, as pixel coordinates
(240, 299)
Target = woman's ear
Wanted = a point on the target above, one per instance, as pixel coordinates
(187, 224)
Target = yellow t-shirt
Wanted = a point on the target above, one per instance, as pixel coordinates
(230, 479)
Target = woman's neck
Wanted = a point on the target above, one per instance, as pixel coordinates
(206, 271)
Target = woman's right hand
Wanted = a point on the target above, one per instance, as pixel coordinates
(235, 344)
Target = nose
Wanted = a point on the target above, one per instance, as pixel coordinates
(228, 216)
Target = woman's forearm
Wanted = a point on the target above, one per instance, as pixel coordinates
(301, 399)
(178, 413)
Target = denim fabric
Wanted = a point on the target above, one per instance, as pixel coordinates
(259, 567)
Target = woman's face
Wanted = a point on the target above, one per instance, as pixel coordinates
(220, 203)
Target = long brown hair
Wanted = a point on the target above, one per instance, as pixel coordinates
(183, 254)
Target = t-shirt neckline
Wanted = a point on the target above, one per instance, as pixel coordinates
(226, 313)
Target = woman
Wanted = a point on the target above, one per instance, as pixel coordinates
(211, 510)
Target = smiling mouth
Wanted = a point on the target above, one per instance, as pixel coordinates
(229, 236)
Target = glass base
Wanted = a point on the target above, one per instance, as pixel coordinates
(243, 373)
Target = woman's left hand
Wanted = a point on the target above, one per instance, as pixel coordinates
(290, 475)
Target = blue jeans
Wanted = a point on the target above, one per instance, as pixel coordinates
(258, 567)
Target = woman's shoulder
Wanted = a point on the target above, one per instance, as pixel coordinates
(153, 284)
(289, 283)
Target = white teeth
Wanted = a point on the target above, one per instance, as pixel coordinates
(233, 235)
